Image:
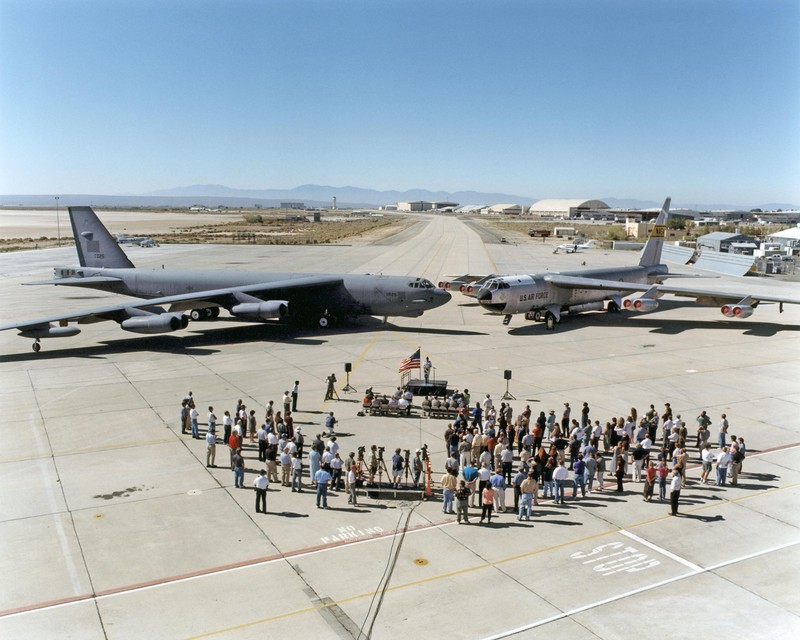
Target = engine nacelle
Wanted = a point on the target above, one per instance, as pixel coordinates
(737, 311)
(50, 331)
(156, 323)
(268, 310)
(589, 306)
(640, 304)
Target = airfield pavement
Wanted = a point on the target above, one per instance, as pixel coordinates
(113, 527)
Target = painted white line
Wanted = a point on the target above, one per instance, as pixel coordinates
(663, 552)
(600, 603)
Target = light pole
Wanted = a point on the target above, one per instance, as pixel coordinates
(58, 222)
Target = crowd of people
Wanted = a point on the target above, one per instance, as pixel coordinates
(485, 443)
(489, 451)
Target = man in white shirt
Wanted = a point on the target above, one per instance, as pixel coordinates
(261, 435)
(211, 420)
(193, 415)
(295, 394)
(297, 473)
(723, 460)
(560, 475)
(261, 483)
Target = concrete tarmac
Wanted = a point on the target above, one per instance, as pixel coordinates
(112, 526)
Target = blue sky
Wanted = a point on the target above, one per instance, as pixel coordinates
(570, 98)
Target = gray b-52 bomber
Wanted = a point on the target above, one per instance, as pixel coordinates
(171, 294)
(546, 296)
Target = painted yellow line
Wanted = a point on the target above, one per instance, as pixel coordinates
(487, 565)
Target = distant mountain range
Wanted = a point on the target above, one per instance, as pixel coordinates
(314, 195)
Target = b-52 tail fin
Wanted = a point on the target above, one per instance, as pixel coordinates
(651, 254)
(96, 246)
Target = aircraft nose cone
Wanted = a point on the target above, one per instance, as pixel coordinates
(483, 295)
(442, 296)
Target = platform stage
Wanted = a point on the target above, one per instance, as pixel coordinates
(430, 388)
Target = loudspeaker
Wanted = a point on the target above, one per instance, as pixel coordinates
(348, 367)
(507, 374)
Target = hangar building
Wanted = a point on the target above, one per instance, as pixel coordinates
(570, 208)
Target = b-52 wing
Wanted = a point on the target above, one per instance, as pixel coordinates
(255, 302)
(734, 304)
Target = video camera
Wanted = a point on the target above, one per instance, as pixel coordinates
(361, 450)
(406, 454)
(380, 452)
(424, 451)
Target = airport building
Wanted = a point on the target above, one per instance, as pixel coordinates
(503, 210)
(724, 242)
(574, 208)
(423, 205)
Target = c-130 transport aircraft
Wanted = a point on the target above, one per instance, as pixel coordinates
(546, 296)
(250, 296)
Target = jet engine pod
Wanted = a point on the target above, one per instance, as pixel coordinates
(156, 323)
(640, 304)
(50, 331)
(737, 311)
(645, 304)
(267, 310)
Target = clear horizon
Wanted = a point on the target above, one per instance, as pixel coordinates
(698, 99)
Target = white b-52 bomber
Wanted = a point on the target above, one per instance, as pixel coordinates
(546, 296)
(170, 294)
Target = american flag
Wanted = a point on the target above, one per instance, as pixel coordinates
(412, 362)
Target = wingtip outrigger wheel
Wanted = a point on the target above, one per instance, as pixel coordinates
(36, 346)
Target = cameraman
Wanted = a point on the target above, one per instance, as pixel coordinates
(416, 467)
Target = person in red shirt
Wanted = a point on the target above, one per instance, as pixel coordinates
(649, 481)
(233, 445)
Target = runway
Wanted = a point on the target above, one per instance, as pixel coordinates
(113, 527)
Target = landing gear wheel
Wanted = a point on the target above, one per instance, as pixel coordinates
(196, 314)
(208, 313)
(537, 316)
(550, 321)
(214, 311)
(613, 307)
(323, 322)
(36, 346)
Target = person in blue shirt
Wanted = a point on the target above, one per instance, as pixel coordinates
(470, 475)
(322, 478)
(579, 476)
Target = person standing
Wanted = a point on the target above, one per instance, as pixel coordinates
(723, 431)
(351, 485)
(449, 484)
(498, 483)
(297, 473)
(560, 475)
(193, 415)
(322, 478)
(591, 469)
(601, 470)
(211, 421)
(675, 491)
(238, 469)
(487, 496)
(397, 470)
(261, 483)
(416, 467)
(314, 458)
(462, 502)
(527, 490)
(426, 369)
(286, 468)
(723, 460)
(286, 400)
(517, 484)
(619, 470)
(184, 415)
(330, 391)
(330, 422)
(227, 423)
(295, 394)
(579, 477)
(662, 471)
(211, 448)
(649, 481)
